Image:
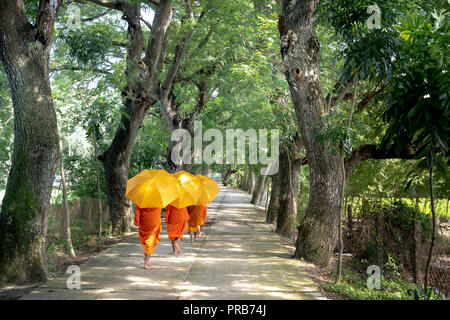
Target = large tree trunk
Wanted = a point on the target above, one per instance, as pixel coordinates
(259, 189)
(137, 100)
(24, 51)
(300, 52)
(274, 203)
(116, 161)
(289, 170)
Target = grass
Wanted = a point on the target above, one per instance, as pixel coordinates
(425, 206)
(354, 286)
(85, 246)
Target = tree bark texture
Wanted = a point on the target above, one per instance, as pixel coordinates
(274, 203)
(24, 52)
(289, 170)
(259, 190)
(300, 52)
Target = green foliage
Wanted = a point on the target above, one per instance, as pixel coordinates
(91, 45)
(418, 110)
(419, 293)
(371, 53)
(81, 173)
(404, 217)
(150, 147)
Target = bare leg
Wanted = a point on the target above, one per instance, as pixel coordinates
(192, 238)
(146, 261)
(173, 247)
(200, 231)
(177, 246)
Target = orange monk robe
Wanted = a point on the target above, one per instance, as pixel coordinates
(177, 221)
(204, 213)
(196, 217)
(149, 222)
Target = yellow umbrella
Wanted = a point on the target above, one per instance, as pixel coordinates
(153, 189)
(191, 189)
(210, 189)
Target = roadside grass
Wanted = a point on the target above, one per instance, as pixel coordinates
(354, 285)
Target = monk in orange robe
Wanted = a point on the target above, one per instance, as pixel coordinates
(149, 222)
(200, 227)
(177, 222)
(195, 220)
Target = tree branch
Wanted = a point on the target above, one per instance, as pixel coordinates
(341, 90)
(178, 57)
(162, 58)
(202, 43)
(370, 96)
(76, 68)
(115, 5)
(189, 10)
(161, 22)
(202, 94)
(371, 151)
(148, 24)
(153, 2)
(45, 19)
(96, 16)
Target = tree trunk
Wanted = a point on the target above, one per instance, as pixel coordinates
(349, 218)
(433, 231)
(24, 51)
(206, 170)
(341, 208)
(287, 211)
(259, 190)
(274, 204)
(170, 166)
(243, 182)
(99, 198)
(300, 51)
(417, 250)
(227, 176)
(66, 215)
(267, 198)
(251, 180)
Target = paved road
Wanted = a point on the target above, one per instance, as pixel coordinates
(240, 258)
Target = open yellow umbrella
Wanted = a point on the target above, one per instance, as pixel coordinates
(210, 189)
(191, 189)
(153, 189)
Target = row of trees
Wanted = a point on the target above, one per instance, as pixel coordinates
(136, 70)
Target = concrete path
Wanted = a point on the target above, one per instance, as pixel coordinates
(240, 258)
